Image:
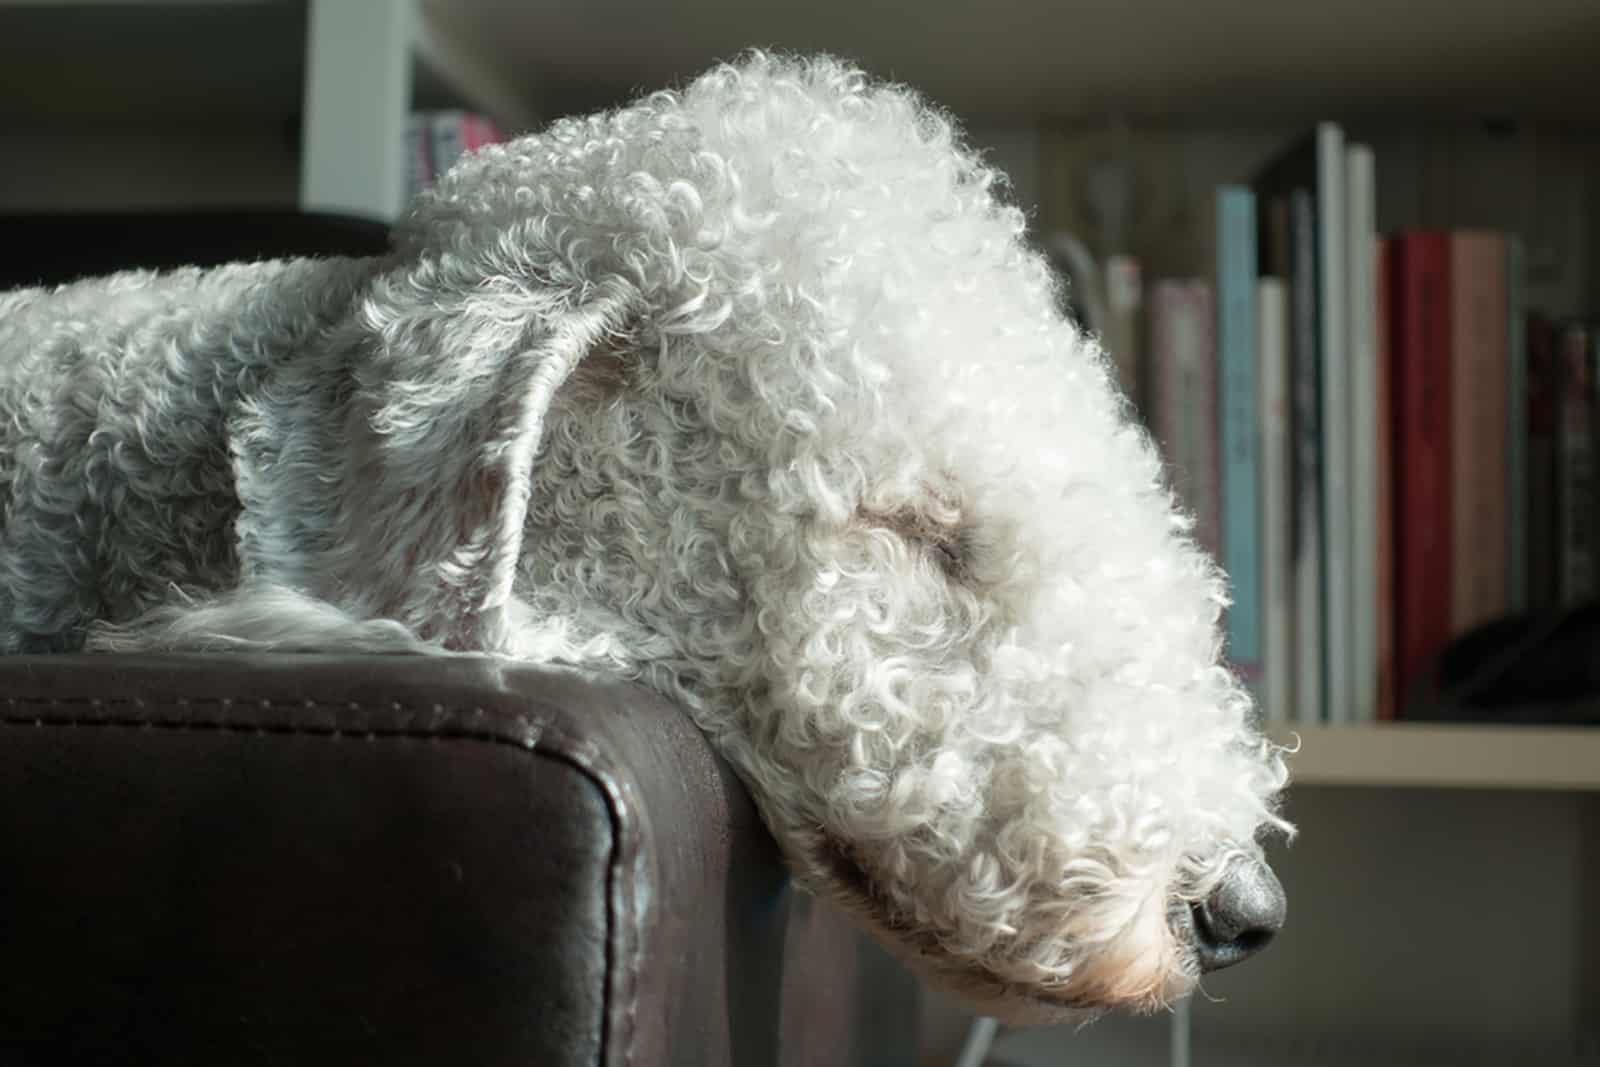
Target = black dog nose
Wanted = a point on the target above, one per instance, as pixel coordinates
(1240, 916)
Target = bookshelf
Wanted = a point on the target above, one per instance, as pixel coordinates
(1444, 756)
(227, 102)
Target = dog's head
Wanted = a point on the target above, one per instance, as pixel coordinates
(821, 458)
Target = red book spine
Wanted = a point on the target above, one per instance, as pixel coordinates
(1384, 425)
(1422, 439)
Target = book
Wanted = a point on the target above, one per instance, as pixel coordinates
(1421, 326)
(436, 139)
(1236, 273)
(1384, 433)
(1478, 428)
(1277, 573)
(1544, 391)
(1304, 218)
(1183, 398)
(1333, 328)
(458, 133)
(1124, 302)
(1306, 525)
(1518, 599)
(1361, 226)
(419, 154)
(1575, 485)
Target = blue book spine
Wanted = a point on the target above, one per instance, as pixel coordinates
(1237, 424)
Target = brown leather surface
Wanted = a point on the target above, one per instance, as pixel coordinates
(297, 860)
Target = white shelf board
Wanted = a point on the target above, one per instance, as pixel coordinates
(1444, 755)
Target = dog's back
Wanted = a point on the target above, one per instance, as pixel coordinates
(116, 481)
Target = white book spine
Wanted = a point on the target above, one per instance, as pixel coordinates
(449, 140)
(1277, 576)
(1333, 320)
(419, 154)
(1361, 220)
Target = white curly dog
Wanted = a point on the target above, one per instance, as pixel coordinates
(752, 393)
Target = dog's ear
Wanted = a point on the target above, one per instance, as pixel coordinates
(441, 426)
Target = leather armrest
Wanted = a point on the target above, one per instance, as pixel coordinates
(276, 859)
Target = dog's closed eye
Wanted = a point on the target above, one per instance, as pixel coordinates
(950, 554)
(934, 526)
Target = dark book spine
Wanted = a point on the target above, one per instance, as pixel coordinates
(1305, 538)
(1575, 485)
(1544, 390)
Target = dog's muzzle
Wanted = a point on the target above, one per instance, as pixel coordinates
(1242, 914)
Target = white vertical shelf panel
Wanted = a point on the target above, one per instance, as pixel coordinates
(357, 94)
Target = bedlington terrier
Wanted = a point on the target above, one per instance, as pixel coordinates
(752, 393)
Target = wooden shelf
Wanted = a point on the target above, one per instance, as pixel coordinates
(1445, 755)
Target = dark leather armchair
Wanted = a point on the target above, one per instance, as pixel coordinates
(394, 860)
(230, 860)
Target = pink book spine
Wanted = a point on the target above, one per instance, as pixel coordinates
(477, 131)
(1183, 362)
(1164, 386)
(1202, 403)
(1183, 399)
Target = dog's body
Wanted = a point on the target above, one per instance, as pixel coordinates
(123, 398)
(752, 394)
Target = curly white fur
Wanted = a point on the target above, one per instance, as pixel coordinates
(753, 393)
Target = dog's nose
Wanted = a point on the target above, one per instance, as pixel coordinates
(1240, 916)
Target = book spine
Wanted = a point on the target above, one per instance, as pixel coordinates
(1237, 408)
(1277, 575)
(1167, 388)
(1384, 432)
(1306, 535)
(477, 131)
(1423, 462)
(419, 154)
(1200, 360)
(448, 140)
(1124, 297)
(1544, 392)
(1361, 234)
(1334, 325)
(1575, 488)
(1184, 399)
(1478, 429)
(1516, 414)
